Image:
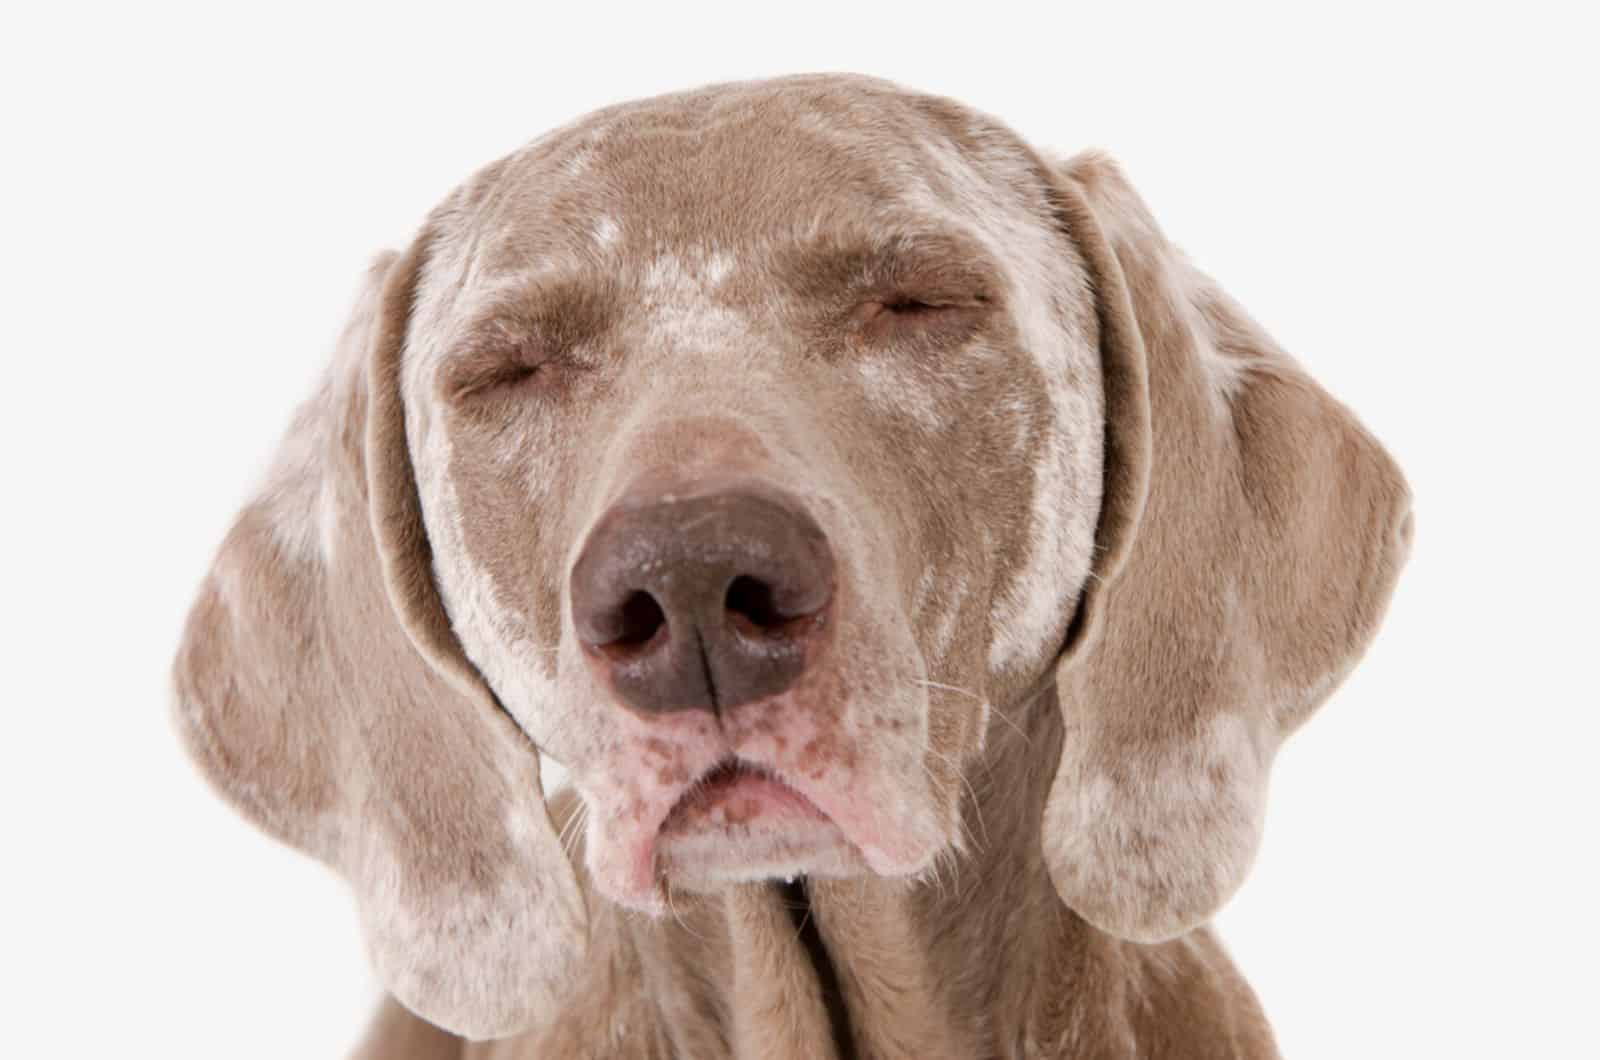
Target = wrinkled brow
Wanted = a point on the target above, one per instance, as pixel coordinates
(932, 265)
(523, 323)
(560, 311)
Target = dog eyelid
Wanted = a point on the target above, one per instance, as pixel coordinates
(890, 316)
(484, 370)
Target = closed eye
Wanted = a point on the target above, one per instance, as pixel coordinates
(529, 340)
(485, 371)
(912, 306)
(485, 374)
(910, 316)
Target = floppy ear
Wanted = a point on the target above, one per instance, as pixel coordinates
(1250, 534)
(321, 690)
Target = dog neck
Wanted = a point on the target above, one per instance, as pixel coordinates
(982, 955)
(979, 957)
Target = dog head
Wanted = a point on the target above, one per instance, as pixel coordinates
(744, 451)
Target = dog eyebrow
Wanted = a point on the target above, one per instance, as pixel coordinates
(561, 311)
(932, 264)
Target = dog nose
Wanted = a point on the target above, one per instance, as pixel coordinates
(707, 601)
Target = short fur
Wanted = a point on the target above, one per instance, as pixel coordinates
(1102, 545)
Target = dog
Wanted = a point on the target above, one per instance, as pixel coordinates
(913, 560)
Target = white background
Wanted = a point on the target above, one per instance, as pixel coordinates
(1406, 200)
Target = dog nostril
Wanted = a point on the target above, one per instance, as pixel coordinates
(703, 602)
(751, 599)
(639, 619)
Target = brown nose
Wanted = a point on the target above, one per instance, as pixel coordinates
(704, 601)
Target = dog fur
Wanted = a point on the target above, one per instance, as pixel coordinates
(1102, 546)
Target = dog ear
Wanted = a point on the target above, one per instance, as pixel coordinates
(321, 690)
(1250, 534)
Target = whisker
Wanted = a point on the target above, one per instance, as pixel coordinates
(566, 834)
(977, 808)
(966, 830)
(950, 688)
(573, 829)
(948, 858)
(805, 919)
(666, 888)
(932, 871)
(934, 874)
(974, 696)
(1014, 726)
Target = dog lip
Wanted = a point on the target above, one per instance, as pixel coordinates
(734, 791)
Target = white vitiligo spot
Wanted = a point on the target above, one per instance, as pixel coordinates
(576, 163)
(894, 389)
(680, 292)
(694, 271)
(520, 824)
(328, 520)
(606, 231)
(1016, 411)
(666, 277)
(944, 631)
(1231, 745)
(294, 516)
(719, 267)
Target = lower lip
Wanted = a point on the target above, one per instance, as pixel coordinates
(736, 796)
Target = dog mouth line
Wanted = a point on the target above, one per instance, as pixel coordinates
(735, 791)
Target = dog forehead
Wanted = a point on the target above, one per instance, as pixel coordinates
(727, 173)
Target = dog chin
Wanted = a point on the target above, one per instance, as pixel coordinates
(741, 822)
(707, 860)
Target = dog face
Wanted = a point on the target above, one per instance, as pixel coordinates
(747, 451)
(854, 369)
